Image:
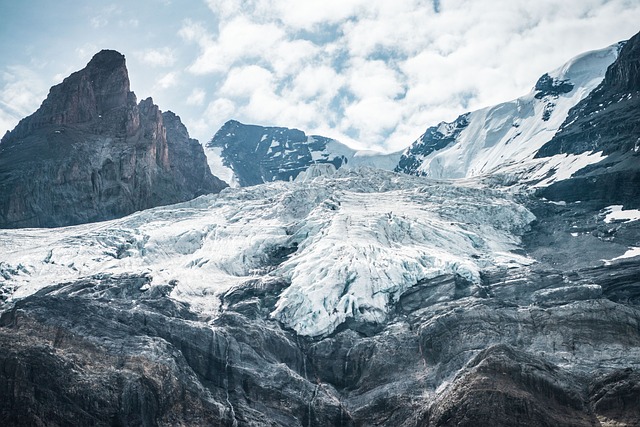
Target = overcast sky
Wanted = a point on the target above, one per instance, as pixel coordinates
(372, 73)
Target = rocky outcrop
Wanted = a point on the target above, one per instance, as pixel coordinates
(91, 152)
(606, 121)
(110, 350)
(435, 138)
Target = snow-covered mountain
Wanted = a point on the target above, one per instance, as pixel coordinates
(249, 154)
(506, 137)
(356, 296)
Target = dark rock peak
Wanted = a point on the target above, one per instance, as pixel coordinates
(607, 119)
(107, 59)
(232, 127)
(259, 154)
(551, 86)
(91, 153)
(435, 138)
(98, 94)
(172, 121)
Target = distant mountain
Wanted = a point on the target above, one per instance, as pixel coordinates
(249, 155)
(495, 139)
(91, 152)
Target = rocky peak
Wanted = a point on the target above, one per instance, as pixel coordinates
(91, 152)
(624, 74)
(109, 79)
(433, 139)
(607, 119)
(97, 96)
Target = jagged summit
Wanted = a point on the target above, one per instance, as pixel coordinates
(91, 152)
(85, 96)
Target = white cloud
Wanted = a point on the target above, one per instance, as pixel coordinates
(244, 81)
(238, 39)
(196, 97)
(22, 91)
(373, 77)
(317, 83)
(383, 71)
(168, 80)
(163, 57)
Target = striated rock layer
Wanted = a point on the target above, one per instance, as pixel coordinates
(91, 152)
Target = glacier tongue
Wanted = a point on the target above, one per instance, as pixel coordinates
(347, 245)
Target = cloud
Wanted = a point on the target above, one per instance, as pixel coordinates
(244, 81)
(196, 97)
(381, 71)
(238, 39)
(21, 93)
(163, 57)
(316, 83)
(168, 80)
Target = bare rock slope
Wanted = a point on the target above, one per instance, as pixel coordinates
(91, 152)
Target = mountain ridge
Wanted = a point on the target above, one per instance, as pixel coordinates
(253, 154)
(91, 152)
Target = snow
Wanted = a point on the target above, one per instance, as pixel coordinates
(632, 252)
(616, 213)
(357, 158)
(316, 170)
(505, 135)
(218, 168)
(358, 239)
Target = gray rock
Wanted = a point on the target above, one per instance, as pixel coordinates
(91, 153)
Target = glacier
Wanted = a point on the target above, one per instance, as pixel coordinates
(346, 244)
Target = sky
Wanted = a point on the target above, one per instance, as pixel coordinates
(371, 73)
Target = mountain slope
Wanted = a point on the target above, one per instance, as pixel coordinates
(91, 152)
(362, 298)
(251, 155)
(496, 138)
(606, 122)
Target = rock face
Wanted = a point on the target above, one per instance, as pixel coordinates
(435, 138)
(257, 154)
(92, 153)
(606, 121)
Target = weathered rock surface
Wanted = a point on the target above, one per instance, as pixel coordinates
(104, 351)
(91, 153)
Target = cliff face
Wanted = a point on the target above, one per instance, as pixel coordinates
(91, 152)
(606, 121)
